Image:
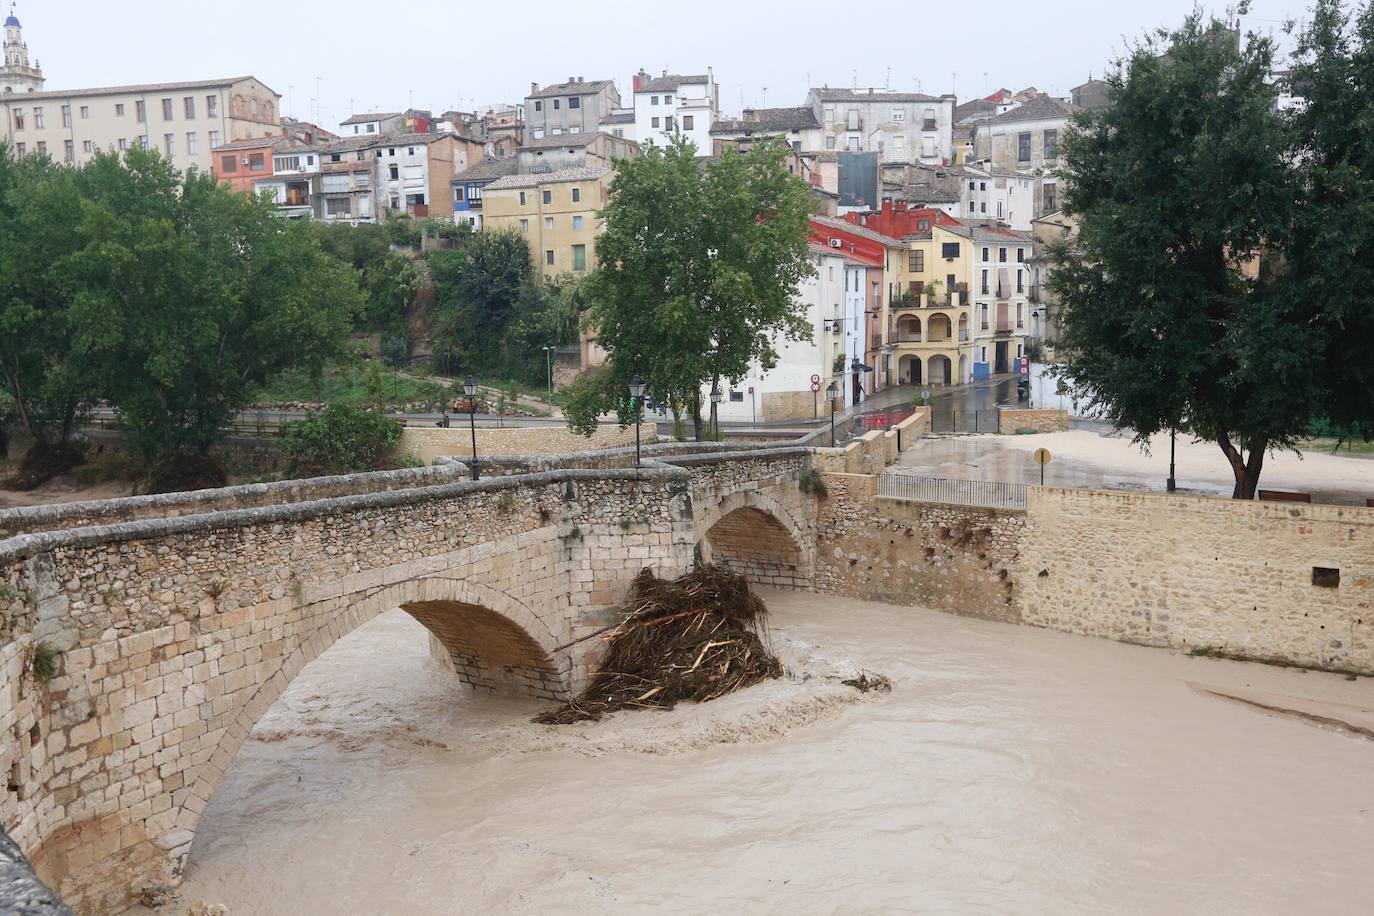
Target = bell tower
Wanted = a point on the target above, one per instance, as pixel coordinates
(16, 75)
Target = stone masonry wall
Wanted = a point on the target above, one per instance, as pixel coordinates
(426, 443)
(1037, 420)
(952, 558)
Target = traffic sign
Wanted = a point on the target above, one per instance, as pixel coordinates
(751, 389)
(1025, 365)
(816, 385)
(816, 380)
(925, 394)
(1042, 456)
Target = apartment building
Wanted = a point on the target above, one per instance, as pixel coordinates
(415, 173)
(990, 193)
(348, 181)
(671, 104)
(1000, 287)
(1026, 139)
(900, 126)
(565, 151)
(574, 107)
(469, 185)
(930, 315)
(183, 121)
(555, 211)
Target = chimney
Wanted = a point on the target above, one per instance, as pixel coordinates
(749, 116)
(572, 79)
(534, 87)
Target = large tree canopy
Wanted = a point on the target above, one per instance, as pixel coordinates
(1182, 307)
(697, 271)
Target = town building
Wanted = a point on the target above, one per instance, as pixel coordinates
(667, 105)
(183, 121)
(930, 311)
(294, 184)
(18, 74)
(370, 122)
(1026, 139)
(1000, 288)
(556, 212)
(563, 151)
(574, 107)
(900, 126)
(990, 193)
(620, 123)
(348, 181)
(468, 186)
(868, 367)
(1048, 229)
(416, 172)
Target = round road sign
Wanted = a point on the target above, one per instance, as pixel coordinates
(925, 394)
(816, 385)
(1042, 456)
(816, 380)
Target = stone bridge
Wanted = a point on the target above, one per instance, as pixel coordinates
(144, 637)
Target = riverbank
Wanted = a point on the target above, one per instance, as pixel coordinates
(1010, 770)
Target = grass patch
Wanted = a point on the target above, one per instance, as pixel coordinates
(367, 385)
(1347, 446)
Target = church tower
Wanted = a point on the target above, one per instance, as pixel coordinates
(16, 75)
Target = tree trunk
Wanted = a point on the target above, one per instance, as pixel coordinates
(696, 417)
(1246, 471)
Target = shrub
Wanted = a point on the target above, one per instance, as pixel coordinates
(395, 350)
(341, 440)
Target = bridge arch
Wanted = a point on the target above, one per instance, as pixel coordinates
(495, 643)
(754, 534)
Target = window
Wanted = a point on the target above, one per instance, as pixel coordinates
(38, 117)
(1051, 142)
(653, 122)
(85, 111)
(548, 196)
(579, 257)
(538, 105)
(548, 256)
(257, 162)
(1020, 256)
(169, 144)
(166, 109)
(394, 172)
(21, 149)
(916, 261)
(42, 148)
(66, 116)
(852, 119)
(68, 151)
(522, 198)
(1019, 289)
(123, 144)
(362, 154)
(334, 184)
(410, 151)
(986, 254)
(548, 223)
(391, 151)
(668, 123)
(949, 249)
(853, 144)
(982, 185)
(574, 103)
(667, 100)
(395, 202)
(372, 128)
(899, 114)
(87, 146)
(1001, 255)
(143, 141)
(1023, 147)
(830, 142)
(286, 164)
(212, 106)
(214, 139)
(577, 222)
(983, 207)
(525, 226)
(338, 206)
(984, 289)
(984, 323)
(576, 194)
(830, 114)
(999, 209)
(140, 111)
(415, 200)
(736, 397)
(556, 104)
(928, 121)
(18, 119)
(119, 109)
(688, 122)
(1019, 324)
(188, 107)
(1049, 198)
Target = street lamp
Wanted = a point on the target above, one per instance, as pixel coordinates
(1169, 484)
(470, 389)
(637, 387)
(715, 415)
(548, 362)
(832, 392)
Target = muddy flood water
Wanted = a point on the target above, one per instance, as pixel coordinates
(1010, 770)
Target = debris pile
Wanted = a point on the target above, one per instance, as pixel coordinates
(694, 638)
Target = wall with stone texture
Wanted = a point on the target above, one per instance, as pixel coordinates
(950, 558)
(1037, 420)
(425, 443)
(1202, 574)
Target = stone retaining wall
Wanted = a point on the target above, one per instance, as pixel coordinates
(425, 443)
(1036, 420)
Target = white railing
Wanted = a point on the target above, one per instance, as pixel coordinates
(993, 494)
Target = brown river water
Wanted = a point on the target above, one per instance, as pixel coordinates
(1010, 770)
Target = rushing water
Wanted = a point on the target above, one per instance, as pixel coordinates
(1010, 770)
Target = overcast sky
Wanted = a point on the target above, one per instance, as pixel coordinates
(388, 55)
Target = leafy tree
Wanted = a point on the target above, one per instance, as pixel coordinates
(341, 440)
(698, 269)
(187, 295)
(402, 231)
(1178, 189)
(389, 280)
(1327, 264)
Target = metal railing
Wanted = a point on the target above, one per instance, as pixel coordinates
(993, 494)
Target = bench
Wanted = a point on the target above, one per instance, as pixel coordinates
(1284, 496)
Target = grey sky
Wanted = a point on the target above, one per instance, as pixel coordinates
(382, 55)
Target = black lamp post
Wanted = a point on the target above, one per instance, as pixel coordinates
(832, 392)
(1169, 484)
(637, 387)
(470, 389)
(715, 414)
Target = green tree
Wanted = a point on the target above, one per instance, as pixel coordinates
(186, 296)
(389, 280)
(1327, 268)
(1177, 188)
(698, 269)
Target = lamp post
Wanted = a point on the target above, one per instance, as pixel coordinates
(637, 387)
(470, 389)
(715, 414)
(1169, 484)
(548, 362)
(831, 392)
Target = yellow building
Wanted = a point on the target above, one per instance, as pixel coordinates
(555, 211)
(930, 313)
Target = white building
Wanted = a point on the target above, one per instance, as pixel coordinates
(16, 75)
(835, 315)
(901, 126)
(294, 182)
(987, 192)
(1000, 289)
(670, 104)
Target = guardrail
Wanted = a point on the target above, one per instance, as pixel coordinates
(992, 494)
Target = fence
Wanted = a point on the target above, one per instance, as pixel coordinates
(963, 421)
(993, 494)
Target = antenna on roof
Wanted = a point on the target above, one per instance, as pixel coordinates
(887, 82)
(855, 75)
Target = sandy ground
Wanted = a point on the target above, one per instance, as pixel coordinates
(1085, 458)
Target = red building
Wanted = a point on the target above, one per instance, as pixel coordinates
(898, 220)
